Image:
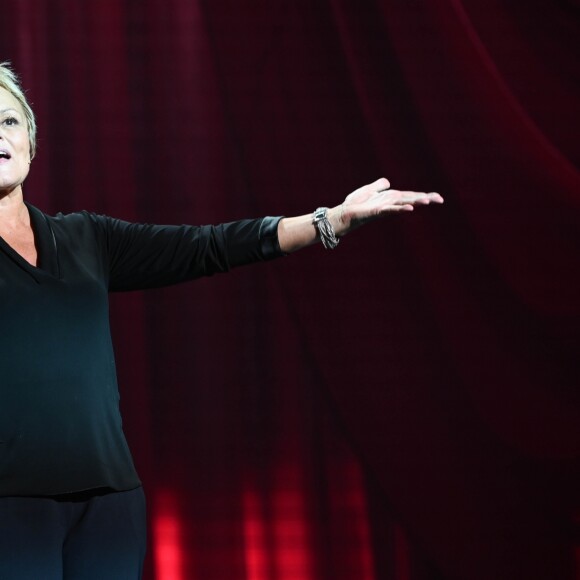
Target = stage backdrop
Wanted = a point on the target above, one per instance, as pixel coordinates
(405, 407)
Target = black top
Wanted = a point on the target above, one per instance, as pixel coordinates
(60, 427)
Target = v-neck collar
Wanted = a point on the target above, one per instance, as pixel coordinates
(46, 247)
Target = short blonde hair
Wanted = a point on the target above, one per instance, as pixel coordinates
(9, 81)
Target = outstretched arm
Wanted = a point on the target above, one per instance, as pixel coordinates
(363, 205)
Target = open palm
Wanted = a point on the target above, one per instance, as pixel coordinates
(377, 199)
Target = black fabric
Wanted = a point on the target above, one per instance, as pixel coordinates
(103, 537)
(60, 427)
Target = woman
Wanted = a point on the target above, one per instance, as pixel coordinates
(71, 503)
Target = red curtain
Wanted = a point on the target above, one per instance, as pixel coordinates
(406, 407)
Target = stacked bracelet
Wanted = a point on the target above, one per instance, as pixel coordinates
(325, 229)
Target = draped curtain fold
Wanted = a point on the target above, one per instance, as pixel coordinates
(406, 407)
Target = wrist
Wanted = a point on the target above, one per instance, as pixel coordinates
(336, 217)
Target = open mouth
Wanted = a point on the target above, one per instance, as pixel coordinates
(4, 155)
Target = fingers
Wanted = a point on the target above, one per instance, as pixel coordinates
(434, 197)
(383, 185)
(380, 184)
(398, 208)
(414, 197)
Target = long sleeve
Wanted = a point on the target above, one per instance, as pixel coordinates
(149, 256)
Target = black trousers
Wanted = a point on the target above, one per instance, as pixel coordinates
(73, 537)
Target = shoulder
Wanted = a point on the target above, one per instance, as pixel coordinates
(77, 224)
(77, 220)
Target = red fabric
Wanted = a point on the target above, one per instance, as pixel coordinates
(405, 407)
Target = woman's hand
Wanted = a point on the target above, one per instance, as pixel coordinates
(363, 205)
(373, 201)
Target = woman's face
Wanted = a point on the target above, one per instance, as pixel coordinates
(14, 143)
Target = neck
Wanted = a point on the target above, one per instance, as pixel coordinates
(12, 208)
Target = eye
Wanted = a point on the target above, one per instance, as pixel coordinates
(11, 122)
